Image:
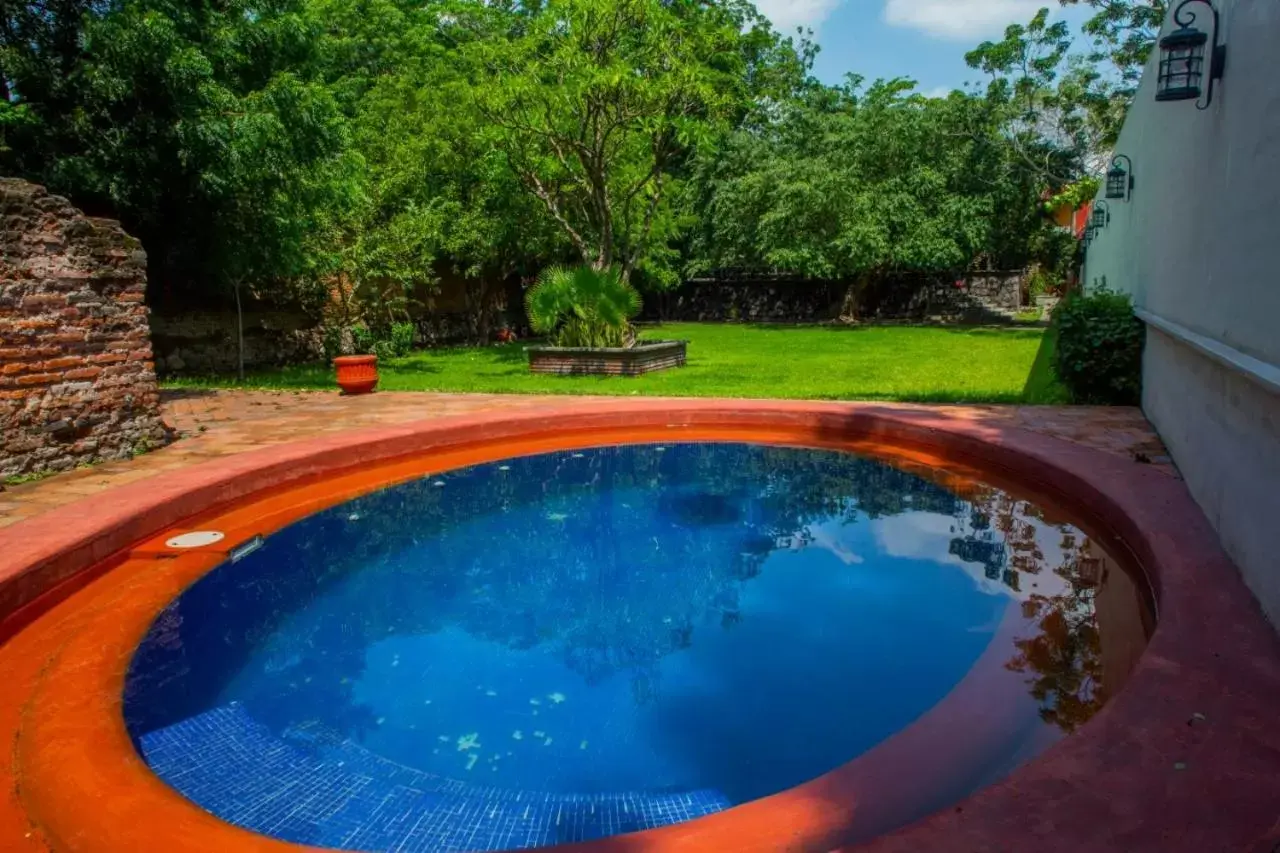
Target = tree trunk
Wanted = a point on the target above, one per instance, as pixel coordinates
(480, 299)
(514, 287)
(852, 298)
(239, 334)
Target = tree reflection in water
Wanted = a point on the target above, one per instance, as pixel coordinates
(611, 603)
(1062, 650)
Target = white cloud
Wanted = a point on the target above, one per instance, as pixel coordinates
(938, 91)
(786, 15)
(960, 20)
(927, 536)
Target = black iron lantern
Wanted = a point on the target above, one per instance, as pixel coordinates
(1100, 217)
(1120, 178)
(1182, 58)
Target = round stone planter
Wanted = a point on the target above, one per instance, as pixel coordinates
(611, 361)
(357, 374)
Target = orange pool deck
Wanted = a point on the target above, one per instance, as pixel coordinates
(1185, 758)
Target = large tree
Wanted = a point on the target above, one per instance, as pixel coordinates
(202, 126)
(596, 103)
(1060, 112)
(1124, 31)
(852, 183)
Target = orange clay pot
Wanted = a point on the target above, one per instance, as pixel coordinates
(357, 374)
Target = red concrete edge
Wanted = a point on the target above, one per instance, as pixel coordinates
(1145, 774)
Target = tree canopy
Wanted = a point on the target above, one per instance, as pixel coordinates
(291, 149)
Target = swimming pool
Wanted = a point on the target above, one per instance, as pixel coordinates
(575, 644)
(1183, 758)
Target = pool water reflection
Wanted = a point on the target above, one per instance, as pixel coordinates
(575, 644)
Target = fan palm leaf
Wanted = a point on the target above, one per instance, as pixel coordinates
(582, 306)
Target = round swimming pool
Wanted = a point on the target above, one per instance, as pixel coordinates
(583, 643)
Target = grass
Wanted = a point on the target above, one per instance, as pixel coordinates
(904, 363)
(23, 479)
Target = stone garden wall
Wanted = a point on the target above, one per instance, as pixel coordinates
(974, 298)
(204, 342)
(77, 383)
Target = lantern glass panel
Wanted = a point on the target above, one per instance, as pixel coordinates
(1181, 65)
(1117, 181)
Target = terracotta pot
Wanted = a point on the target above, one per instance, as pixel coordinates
(357, 374)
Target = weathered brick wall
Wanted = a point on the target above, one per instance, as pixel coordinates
(77, 382)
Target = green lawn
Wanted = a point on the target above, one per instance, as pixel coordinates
(912, 363)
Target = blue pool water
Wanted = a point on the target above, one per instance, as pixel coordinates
(576, 644)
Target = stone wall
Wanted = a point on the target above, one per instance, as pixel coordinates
(77, 383)
(974, 298)
(204, 342)
(198, 343)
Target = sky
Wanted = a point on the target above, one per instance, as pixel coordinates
(925, 40)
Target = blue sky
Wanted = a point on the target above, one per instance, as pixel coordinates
(922, 39)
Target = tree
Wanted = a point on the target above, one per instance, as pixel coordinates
(848, 184)
(282, 172)
(1124, 32)
(437, 197)
(201, 126)
(1060, 115)
(596, 102)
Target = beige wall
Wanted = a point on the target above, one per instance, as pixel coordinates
(1198, 247)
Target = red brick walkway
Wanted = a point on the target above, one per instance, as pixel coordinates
(216, 424)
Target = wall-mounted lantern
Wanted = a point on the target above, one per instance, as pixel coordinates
(1100, 217)
(1182, 58)
(1120, 178)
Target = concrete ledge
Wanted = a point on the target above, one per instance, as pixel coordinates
(1253, 369)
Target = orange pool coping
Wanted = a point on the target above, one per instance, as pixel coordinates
(1185, 757)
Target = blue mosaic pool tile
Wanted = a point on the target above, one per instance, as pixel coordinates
(312, 787)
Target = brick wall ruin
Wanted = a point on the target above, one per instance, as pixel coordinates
(77, 383)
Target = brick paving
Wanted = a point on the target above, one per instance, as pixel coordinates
(215, 424)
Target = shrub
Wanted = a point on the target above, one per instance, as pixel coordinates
(362, 340)
(331, 342)
(401, 340)
(582, 307)
(1100, 348)
(384, 343)
(1042, 282)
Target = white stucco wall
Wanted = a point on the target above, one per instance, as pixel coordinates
(1198, 247)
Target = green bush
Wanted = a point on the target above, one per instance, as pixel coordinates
(401, 340)
(384, 343)
(1042, 282)
(363, 340)
(331, 342)
(1100, 348)
(582, 307)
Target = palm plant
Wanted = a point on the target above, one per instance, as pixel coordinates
(582, 307)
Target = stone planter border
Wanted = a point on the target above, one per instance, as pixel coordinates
(607, 361)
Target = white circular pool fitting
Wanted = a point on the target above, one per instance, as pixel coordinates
(195, 539)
